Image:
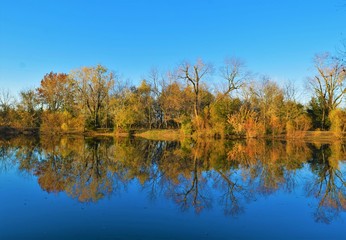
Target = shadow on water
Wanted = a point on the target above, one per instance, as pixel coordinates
(194, 175)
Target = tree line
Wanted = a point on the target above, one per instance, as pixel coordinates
(187, 98)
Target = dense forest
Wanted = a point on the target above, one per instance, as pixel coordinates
(197, 98)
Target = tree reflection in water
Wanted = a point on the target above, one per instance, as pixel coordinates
(328, 183)
(192, 174)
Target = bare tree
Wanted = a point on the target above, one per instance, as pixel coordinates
(158, 83)
(290, 91)
(154, 80)
(7, 103)
(235, 73)
(329, 83)
(6, 100)
(193, 74)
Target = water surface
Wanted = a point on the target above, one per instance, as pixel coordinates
(89, 188)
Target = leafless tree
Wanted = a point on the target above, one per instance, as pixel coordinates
(6, 100)
(235, 73)
(329, 82)
(290, 91)
(193, 74)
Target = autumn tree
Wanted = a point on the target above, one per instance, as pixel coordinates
(175, 103)
(146, 102)
(134, 107)
(246, 122)
(123, 112)
(57, 95)
(296, 119)
(93, 88)
(328, 84)
(268, 98)
(338, 122)
(55, 91)
(219, 112)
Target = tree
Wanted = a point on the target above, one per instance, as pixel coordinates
(315, 113)
(159, 82)
(7, 104)
(124, 113)
(268, 99)
(55, 91)
(29, 108)
(193, 75)
(234, 73)
(94, 85)
(338, 122)
(134, 108)
(6, 100)
(246, 122)
(328, 84)
(220, 110)
(175, 104)
(156, 87)
(295, 116)
(146, 101)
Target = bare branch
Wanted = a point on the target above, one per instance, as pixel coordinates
(235, 74)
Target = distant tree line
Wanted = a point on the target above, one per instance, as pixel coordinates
(243, 104)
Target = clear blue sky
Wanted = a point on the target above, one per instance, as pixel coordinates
(277, 38)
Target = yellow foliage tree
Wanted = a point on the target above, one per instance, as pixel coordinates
(338, 122)
(59, 122)
(298, 126)
(246, 123)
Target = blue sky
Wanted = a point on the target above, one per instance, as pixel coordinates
(276, 38)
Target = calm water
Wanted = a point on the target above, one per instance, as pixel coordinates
(75, 188)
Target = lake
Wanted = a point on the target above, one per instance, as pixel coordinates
(103, 188)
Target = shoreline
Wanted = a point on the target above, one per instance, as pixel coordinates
(173, 135)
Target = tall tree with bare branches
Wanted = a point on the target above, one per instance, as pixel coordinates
(194, 74)
(235, 74)
(328, 84)
(7, 103)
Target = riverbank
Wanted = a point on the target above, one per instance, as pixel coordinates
(176, 135)
(9, 131)
(171, 134)
(162, 134)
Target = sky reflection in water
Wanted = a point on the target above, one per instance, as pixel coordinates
(76, 188)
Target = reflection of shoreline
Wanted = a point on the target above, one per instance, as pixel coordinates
(193, 174)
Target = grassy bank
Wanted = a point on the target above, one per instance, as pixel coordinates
(323, 136)
(162, 134)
